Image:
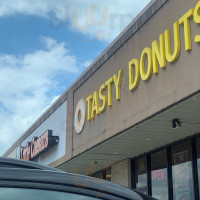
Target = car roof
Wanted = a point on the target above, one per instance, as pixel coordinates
(17, 163)
(27, 174)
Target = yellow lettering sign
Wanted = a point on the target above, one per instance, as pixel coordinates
(98, 97)
(185, 21)
(103, 98)
(162, 52)
(172, 57)
(150, 59)
(158, 54)
(117, 81)
(196, 15)
(89, 105)
(95, 105)
(109, 86)
(133, 82)
(146, 53)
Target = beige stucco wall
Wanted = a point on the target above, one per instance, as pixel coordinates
(13, 154)
(172, 84)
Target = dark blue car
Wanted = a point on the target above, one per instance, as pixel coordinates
(25, 180)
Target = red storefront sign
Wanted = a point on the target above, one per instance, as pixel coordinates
(38, 145)
(158, 175)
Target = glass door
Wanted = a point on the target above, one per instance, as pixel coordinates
(183, 188)
(159, 175)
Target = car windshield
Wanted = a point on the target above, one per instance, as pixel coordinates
(32, 194)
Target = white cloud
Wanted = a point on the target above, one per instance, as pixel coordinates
(26, 80)
(26, 83)
(87, 63)
(102, 20)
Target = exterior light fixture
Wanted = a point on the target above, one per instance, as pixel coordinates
(176, 123)
(147, 139)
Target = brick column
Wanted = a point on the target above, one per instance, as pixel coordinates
(121, 173)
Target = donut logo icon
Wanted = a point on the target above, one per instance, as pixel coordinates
(79, 116)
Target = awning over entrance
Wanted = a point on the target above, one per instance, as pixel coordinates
(146, 136)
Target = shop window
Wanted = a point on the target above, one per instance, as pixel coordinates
(141, 175)
(182, 171)
(159, 175)
(198, 158)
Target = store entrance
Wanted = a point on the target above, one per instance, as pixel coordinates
(169, 173)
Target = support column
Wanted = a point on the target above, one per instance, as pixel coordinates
(121, 173)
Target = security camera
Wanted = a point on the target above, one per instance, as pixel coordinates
(176, 123)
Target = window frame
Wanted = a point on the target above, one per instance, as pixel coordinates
(192, 140)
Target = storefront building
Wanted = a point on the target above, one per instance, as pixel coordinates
(133, 117)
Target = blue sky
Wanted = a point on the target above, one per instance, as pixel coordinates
(44, 47)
